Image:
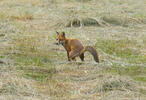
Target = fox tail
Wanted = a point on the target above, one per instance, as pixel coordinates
(93, 52)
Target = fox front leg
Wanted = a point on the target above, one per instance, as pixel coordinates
(68, 56)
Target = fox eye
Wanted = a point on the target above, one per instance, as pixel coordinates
(56, 39)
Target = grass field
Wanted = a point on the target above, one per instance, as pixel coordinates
(32, 67)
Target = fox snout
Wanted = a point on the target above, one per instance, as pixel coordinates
(56, 43)
(60, 42)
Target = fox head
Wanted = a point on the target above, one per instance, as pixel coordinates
(60, 38)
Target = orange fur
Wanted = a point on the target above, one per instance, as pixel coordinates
(74, 47)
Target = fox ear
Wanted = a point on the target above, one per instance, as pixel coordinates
(57, 32)
(63, 34)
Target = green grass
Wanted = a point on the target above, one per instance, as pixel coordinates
(32, 60)
(39, 68)
(37, 76)
(122, 48)
(140, 78)
(135, 72)
(1, 56)
(37, 73)
(143, 91)
(28, 34)
(2, 15)
(33, 57)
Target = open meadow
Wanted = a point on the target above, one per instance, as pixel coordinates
(32, 67)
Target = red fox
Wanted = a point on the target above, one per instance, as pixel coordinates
(74, 47)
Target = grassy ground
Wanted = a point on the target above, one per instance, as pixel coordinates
(33, 68)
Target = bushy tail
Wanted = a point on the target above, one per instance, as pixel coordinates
(93, 52)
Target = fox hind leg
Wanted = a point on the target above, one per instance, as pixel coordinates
(74, 59)
(82, 56)
(73, 54)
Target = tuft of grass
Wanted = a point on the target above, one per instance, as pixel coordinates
(114, 20)
(90, 22)
(2, 15)
(143, 91)
(115, 85)
(1, 35)
(2, 56)
(140, 16)
(140, 78)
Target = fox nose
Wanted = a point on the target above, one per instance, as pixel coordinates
(57, 43)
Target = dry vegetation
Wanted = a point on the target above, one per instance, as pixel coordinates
(33, 68)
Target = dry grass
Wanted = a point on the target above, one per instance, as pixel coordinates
(33, 68)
